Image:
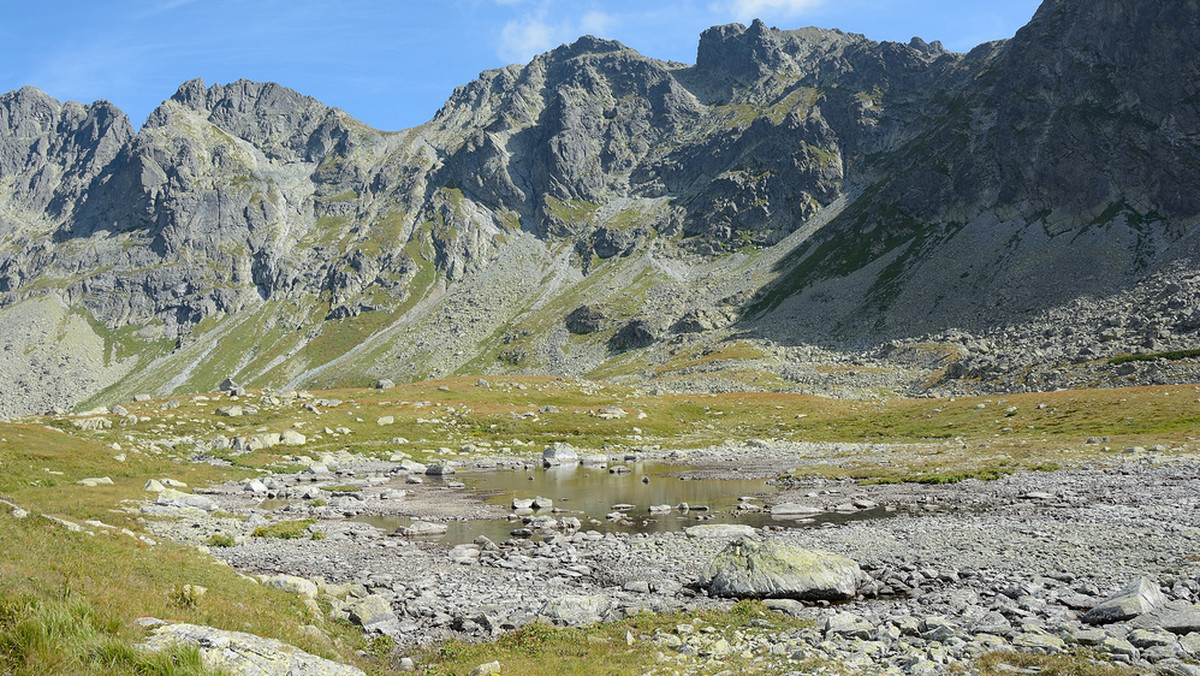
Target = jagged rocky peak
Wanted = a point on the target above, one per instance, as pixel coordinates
(50, 151)
(281, 122)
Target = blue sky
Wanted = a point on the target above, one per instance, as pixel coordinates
(391, 63)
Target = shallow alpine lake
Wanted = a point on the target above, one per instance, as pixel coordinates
(592, 493)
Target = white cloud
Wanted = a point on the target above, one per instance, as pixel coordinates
(527, 36)
(522, 39)
(597, 23)
(745, 10)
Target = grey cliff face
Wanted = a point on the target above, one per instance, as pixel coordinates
(868, 191)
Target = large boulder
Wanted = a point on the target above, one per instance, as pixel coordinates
(233, 652)
(559, 453)
(291, 584)
(758, 569)
(1137, 597)
(636, 334)
(586, 319)
(575, 609)
(372, 612)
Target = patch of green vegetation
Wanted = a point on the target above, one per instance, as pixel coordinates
(823, 157)
(571, 211)
(622, 647)
(330, 224)
(240, 181)
(66, 635)
(853, 241)
(221, 540)
(737, 114)
(1172, 355)
(1076, 663)
(285, 530)
(801, 100)
(342, 489)
(125, 342)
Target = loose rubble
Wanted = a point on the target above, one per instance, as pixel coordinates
(1098, 557)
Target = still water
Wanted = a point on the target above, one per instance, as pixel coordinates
(590, 494)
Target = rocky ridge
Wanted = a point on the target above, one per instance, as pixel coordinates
(810, 190)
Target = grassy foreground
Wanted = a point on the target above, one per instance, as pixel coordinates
(68, 600)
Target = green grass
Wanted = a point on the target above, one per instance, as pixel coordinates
(221, 540)
(66, 635)
(94, 586)
(570, 211)
(1075, 664)
(285, 530)
(543, 650)
(1173, 355)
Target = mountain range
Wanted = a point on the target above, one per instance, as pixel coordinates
(802, 210)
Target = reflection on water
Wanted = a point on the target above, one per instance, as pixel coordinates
(589, 494)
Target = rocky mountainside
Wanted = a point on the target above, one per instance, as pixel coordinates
(801, 209)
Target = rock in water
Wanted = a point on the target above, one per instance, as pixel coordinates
(422, 529)
(1139, 596)
(757, 569)
(234, 652)
(559, 453)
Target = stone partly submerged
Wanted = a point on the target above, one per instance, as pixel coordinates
(707, 531)
(757, 569)
(559, 453)
(234, 652)
(422, 529)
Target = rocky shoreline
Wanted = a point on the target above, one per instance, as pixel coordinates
(954, 572)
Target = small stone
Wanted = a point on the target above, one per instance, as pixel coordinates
(489, 669)
(847, 624)
(92, 482)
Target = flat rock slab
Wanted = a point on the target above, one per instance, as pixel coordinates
(793, 509)
(1136, 598)
(234, 652)
(719, 530)
(757, 569)
(422, 529)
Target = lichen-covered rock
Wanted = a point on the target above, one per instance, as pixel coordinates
(758, 569)
(371, 612)
(574, 609)
(293, 584)
(241, 654)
